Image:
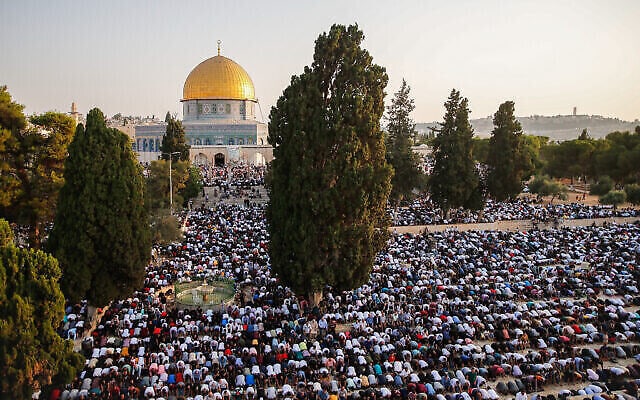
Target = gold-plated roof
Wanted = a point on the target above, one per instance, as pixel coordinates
(218, 78)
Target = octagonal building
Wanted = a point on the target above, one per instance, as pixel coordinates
(219, 105)
(219, 117)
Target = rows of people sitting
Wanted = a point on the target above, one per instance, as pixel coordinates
(450, 315)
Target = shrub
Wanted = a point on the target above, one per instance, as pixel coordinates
(633, 193)
(602, 187)
(614, 197)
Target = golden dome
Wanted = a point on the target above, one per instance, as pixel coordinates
(218, 78)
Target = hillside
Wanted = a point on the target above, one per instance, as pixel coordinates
(559, 127)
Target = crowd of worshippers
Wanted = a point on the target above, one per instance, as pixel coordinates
(243, 181)
(422, 211)
(447, 316)
(236, 174)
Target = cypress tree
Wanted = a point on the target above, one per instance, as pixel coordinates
(329, 181)
(101, 233)
(401, 133)
(506, 161)
(174, 141)
(455, 181)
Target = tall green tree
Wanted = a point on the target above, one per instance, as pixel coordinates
(32, 354)
(101, 232)
(174, 141)
(455, 181)
(33, 162)
(507, 163)
(329, 181)
(12, 122)
(401, 132)
(193, 185)
(533, 148)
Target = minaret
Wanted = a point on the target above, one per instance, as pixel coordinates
(74, 112)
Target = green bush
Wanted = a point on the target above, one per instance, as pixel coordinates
(602, 187)
(633, 193)
(545, 186)
(614, 197)
(165, 228)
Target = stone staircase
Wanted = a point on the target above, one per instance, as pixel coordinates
(580, 187)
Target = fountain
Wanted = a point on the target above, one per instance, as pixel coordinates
(214, 295)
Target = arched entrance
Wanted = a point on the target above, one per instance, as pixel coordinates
(218, 160)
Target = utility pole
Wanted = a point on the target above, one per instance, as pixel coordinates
(170, 180)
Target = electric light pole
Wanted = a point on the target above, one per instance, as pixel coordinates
(170, 181)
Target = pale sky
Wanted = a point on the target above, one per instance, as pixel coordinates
(134, 56)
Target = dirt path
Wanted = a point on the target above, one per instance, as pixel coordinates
(513, 226)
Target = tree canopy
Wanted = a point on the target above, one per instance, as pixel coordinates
(544, 186)
(186, 182)
(455, 181)
(619, 157)
(101, 232)
(12, 122)
(614, 198)
(603, 186)
(193, 186)
(32, 165)
(31, 308)
(401, 134)
(633, 193)
(329, 181)
(157, 184)
(616, 156)
(174, 141)
(572, 158)
(507, 161)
